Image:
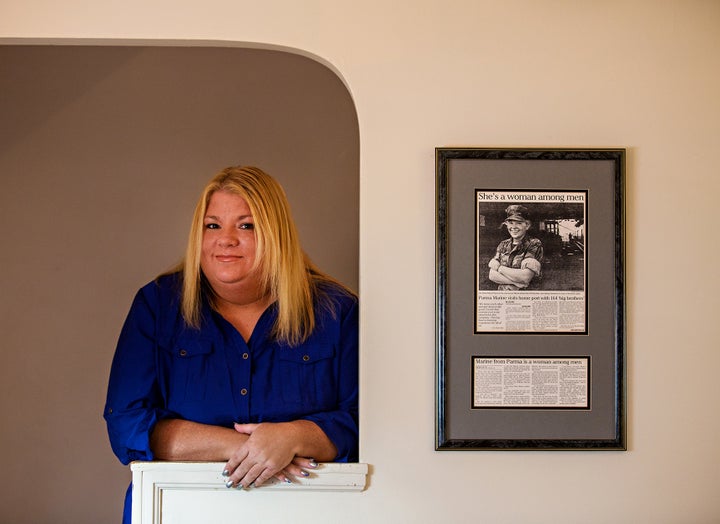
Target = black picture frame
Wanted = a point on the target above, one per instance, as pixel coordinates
(530, 307)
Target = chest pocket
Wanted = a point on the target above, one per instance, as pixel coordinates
(187, 369)
(308, 376)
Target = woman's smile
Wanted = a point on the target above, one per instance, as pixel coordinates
(227, 258)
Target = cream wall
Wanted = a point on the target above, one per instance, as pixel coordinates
(643, 75)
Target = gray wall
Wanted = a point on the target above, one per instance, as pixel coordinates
(103, 151)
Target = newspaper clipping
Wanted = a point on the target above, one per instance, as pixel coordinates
(531, 261)
(509, 382)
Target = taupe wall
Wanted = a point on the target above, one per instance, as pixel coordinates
(103, 151)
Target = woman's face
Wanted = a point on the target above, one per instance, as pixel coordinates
(228, 244)
(517, 228)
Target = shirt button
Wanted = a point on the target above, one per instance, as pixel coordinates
(245, 356)
(183, 353)
(243, 391)
(306, 358)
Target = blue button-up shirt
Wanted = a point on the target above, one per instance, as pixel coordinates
(164, 369)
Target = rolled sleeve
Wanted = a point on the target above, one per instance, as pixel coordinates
(341, 428)
(129, 433)
(532, 264)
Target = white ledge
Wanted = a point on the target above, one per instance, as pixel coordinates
(328, 476)
(153, 479)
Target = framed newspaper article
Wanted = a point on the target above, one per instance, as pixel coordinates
(530, 299)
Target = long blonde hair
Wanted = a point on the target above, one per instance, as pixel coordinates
(285, 272)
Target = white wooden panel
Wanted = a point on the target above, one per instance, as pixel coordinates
(188, 492)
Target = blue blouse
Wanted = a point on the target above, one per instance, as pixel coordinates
(164, 369)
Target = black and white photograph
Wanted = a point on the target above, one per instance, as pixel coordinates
(530, 260)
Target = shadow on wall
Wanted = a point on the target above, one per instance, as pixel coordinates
(103, 151)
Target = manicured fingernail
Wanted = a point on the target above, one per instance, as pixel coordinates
(239, 486)
(304, 473)
(229, 484)
(313, 464)
(288, 481)
(225, 473)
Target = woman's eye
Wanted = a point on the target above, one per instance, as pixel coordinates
(247, 225)
(212, 226)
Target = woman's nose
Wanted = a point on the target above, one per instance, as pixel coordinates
(228, 240)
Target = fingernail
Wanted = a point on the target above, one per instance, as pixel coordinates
(225, 473)
(304, 473)
(239, 486)
(229, 484)
(288, 481)
(313, 464)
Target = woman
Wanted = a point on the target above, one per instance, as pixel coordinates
(246, 353)
(517, 263)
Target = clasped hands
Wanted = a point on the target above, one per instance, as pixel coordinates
(269, 451)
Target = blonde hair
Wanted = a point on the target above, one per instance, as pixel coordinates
(285, 272)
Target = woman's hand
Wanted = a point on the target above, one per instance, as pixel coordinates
(298, 468)
(276, 450)
(269, 449)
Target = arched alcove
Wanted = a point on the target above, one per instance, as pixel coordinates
(103, 150)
